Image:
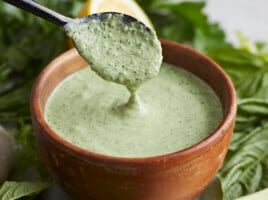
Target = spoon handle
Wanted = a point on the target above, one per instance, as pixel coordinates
(40, 11)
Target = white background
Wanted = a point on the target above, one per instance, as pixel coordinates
(248, 16)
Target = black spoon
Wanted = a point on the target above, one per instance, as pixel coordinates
(40, 11)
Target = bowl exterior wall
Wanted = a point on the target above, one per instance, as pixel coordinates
(178, 176)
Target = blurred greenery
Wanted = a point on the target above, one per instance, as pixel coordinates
(27, 44)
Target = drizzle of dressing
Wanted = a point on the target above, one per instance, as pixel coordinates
(118, 49)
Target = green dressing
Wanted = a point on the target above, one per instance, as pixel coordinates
(179, 110)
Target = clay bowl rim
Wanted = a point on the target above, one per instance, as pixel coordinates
(225, 124)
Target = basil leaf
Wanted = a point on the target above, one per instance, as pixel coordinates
(246, 170)
(16, 190)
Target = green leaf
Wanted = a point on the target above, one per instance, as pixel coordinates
(185, 22)
(254, 106)
(15, 190)
(28, 165)
(264, 180)
(15, 98)
(239, 64)
(249, 73)
(245, 171)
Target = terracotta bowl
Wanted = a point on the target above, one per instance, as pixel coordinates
(182, 175)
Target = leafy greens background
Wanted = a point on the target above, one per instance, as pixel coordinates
(27, 44)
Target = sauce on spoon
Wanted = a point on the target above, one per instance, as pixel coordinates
(118, 47)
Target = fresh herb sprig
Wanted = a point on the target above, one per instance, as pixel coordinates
(246, 168)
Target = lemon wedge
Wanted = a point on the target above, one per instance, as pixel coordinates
(129, 7)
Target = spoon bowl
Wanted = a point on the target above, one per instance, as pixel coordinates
(118, 47)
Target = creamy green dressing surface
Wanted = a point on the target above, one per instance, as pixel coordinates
(117, 47)
(174, 111)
